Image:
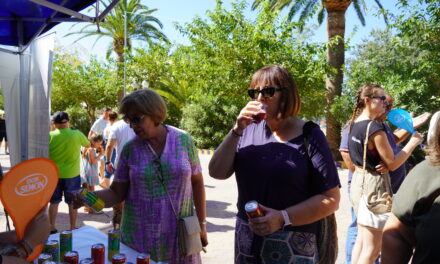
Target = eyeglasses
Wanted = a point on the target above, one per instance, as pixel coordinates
(133, 120)
(388, 107)
(383, 97)
(266, 92)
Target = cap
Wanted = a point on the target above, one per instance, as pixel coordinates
(60, 117)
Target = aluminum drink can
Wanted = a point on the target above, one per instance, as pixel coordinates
(253, 209)
(90, 199)
(65, 243)
(52, 247)
(71, 257)
(113, 243)
(143, 259)
(119, 259)
(98, 253)
(44, 257)
(50, 262)
(87, 261)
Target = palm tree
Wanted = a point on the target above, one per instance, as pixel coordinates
(335, 10)
(141, 25)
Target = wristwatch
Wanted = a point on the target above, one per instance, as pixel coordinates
(107, 162)
(287, 222)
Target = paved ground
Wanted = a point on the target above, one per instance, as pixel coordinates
(221, 210)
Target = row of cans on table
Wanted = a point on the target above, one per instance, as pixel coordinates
(72, 257)
(62, 251)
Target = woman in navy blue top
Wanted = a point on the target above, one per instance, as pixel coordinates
(295, 187)
(370, 104)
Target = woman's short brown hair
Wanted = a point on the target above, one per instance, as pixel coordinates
(147, 102)
(290, 103)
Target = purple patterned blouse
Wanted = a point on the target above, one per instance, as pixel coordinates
(149, 224)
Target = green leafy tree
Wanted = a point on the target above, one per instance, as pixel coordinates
(405, 60)
(206, 81)
(82, 88)
(335, 10)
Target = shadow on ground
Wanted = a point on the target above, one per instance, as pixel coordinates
(218, 209)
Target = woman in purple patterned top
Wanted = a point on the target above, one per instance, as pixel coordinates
(159, 157)
(295, 186)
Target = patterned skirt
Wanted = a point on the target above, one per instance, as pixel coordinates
(281, 247)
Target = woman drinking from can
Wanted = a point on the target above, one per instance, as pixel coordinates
(294, 186)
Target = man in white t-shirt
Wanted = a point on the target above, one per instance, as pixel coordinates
(120, 133)
(100, 124)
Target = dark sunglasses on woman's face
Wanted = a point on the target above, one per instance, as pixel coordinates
(133, 120)
(266, 92)
(383, 98)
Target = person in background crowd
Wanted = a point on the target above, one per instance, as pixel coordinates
(100, 124)
(295, 186)
(16, 252)
(157, 172)
(371, 105)
(3, 132)
(396, 176)
(120, 133)
(65, 150)
(112, 118)
(98, 129)
(91, 156)
(412, 230)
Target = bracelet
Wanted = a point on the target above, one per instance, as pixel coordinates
(26, 246)
(107, 162)
(203, 222)
(235, 133)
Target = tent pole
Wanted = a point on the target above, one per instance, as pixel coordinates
(24, 97)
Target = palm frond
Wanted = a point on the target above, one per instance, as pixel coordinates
(321, 14)
(295, 8)
(307, 9)
(384, 13)
(359, 12)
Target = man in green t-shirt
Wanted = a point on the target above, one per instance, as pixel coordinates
(65, 150)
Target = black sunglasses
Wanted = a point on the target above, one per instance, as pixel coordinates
(266, 92)
(133, 120)
(383, 97)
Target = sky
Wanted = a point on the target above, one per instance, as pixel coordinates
(180, 11)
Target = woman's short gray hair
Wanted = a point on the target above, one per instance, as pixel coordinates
(147, 102)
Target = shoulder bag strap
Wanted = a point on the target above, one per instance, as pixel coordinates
(364, 156)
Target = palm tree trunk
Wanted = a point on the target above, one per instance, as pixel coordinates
(120, 70)
(335, 58)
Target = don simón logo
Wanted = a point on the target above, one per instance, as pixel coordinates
(31, 184)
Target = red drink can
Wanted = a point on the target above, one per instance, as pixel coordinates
(98, 253)
(253, 209)
(143, 259)
(119, 259)
(71, 257)
(87, 261)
